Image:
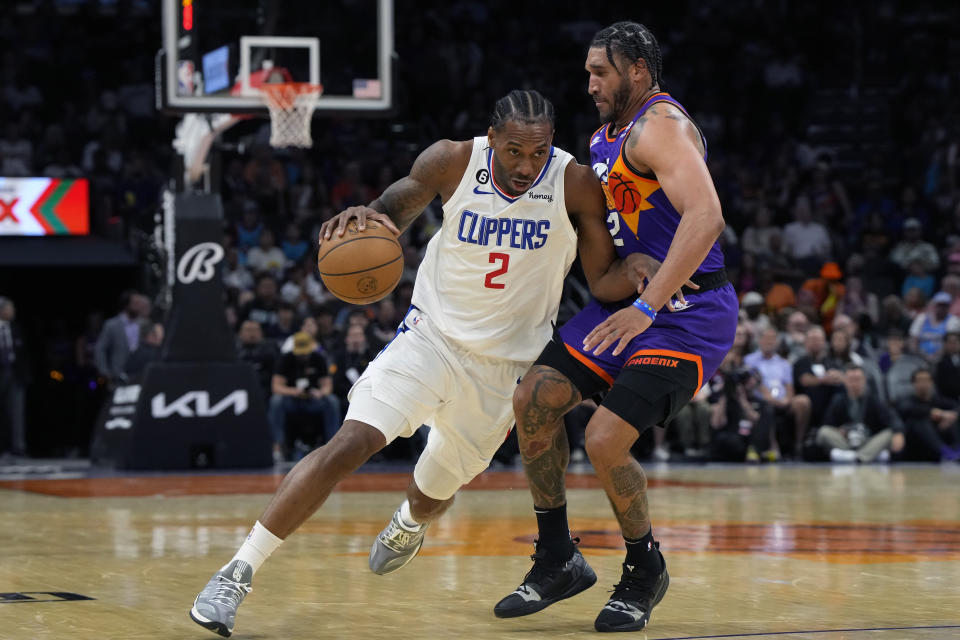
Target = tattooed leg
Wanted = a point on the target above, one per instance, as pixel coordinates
(539, 404)
(609, 439)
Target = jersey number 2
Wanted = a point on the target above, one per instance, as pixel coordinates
(504, 260)
(614, 219)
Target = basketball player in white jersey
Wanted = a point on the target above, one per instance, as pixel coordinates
(487, 291)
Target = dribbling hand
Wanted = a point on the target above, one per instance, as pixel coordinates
(338, 223)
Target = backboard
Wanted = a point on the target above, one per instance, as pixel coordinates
(215, 53)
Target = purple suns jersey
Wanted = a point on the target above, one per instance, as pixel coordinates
(639, 216)
(641, 219)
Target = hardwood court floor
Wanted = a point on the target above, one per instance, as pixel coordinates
(783, 552)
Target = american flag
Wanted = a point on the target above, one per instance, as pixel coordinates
(366, 88)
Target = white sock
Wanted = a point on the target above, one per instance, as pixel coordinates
(407, 521)
(258, 546)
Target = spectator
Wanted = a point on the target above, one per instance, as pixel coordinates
(931, 422)
(120, 337)
(858, 302)
(692, 425)
(267, 256)
(311, 328)
(951, 284)
(301, 383)
(327, 334)
(741, 420)
(816, 375)
(756, 237)
(915, 303)
(743, 343)
(351, 359)
(302, 290)
(913, 247)
(793, 341)
(286, 322)
(948, 368)
(893, 316)
(898, 365)
(918, 277)
(235, 275)
(262, 309)
(929, 328)
(148, 349)
(858, 426)
(249, 230)
(806, 239)
(258, 353)
(953, 263)
(294, 247)
(14, 376)
(828, 292)
(384, 326)
(752, 315)
(776, 377)
(16, 153)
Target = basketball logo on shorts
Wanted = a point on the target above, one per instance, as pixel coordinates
(367, 285)
(199, 262)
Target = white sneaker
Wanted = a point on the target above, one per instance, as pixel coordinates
(216, 606)
(884, 456)
(395, 546)
(843, 455)
(661, 454)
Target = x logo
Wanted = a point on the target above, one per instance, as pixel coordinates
(6, 209)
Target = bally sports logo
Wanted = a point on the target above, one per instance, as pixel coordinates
(199, 262)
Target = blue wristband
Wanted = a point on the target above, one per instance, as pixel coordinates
(646, 308)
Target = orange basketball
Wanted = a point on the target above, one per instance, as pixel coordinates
(361, 267)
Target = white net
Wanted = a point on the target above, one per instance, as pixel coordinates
(291, 106)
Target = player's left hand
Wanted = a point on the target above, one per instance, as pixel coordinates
(640, 270)
(624, 326)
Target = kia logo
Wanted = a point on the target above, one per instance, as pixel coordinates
(199, 262)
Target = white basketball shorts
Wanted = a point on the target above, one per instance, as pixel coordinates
(420, 378)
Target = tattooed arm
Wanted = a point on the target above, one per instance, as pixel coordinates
(666, 143)
(436, 172)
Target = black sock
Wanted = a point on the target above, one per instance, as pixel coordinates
(642, 553)
(554, 531)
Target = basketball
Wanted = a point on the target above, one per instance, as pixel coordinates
(361, 267)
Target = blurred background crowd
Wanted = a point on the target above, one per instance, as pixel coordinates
(832, 145)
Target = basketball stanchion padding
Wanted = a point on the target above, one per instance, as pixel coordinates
(361, 267)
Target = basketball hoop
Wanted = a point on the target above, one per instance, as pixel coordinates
(291, 106)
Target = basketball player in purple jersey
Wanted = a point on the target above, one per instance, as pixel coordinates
(650, 157)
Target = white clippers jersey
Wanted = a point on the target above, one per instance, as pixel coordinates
(493, 274)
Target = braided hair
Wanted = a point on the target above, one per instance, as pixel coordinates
(525, 106)
(633, 41)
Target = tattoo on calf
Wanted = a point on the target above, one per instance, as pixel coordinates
(630, 501)
(545, 473)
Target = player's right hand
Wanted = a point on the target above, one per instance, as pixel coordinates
(338, 223)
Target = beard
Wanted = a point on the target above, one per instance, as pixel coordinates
(621, 99)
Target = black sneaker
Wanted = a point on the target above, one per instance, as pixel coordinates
(547, 582)
(633, 599)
